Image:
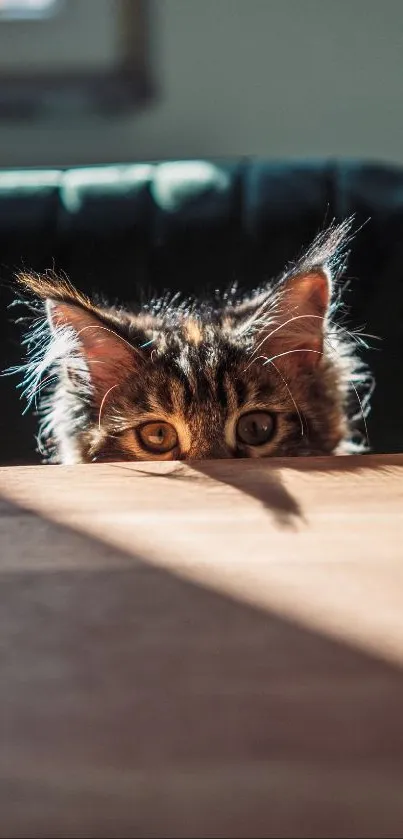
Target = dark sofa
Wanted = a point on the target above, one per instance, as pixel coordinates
(201, 225)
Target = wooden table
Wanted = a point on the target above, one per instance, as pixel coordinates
(213, 650)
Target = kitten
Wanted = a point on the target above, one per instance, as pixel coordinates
(272, 375)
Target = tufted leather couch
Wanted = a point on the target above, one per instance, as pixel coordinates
(192, 226)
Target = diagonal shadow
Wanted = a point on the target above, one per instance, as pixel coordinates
(265, 485)
(136, 704)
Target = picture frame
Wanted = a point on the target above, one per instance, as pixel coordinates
(50, 86)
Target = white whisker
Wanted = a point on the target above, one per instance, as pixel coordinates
(362, 411)
(102, 404)
(334, 351)
(40, 385)
(291, 397)
(291, 320)
(356, 337)
(112, 332)
(290, 352)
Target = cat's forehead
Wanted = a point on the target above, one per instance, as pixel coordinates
(204, 377)
(191, 331)
(202, 370)
(194, 332)
(195, 341)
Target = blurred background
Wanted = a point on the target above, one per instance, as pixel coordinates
(298, 105)
(274, 78)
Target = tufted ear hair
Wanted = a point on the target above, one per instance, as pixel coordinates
(295, 335)
(289, 321)
(85, 339)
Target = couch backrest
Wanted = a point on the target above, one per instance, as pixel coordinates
(200, 225)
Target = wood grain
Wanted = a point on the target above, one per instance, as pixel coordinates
(211, 649)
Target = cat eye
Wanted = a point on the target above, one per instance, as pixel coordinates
(159, 437)
(255, 428)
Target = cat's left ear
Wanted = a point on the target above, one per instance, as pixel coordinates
(85, 339)
(107, 356)
(295, 332)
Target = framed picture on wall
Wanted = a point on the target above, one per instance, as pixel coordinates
(73, 57)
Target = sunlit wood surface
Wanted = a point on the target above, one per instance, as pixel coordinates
(213, 650)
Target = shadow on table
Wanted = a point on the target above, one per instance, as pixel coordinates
(264, 485)
(263, 479)
(134, 703)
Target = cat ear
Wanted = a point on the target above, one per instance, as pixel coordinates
(294, 336)
(89, 338)
(85, 338)
(297, 311)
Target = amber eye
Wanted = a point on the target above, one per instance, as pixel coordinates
(158, 437)
(256, 428)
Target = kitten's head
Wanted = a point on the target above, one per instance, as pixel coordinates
(271, 375)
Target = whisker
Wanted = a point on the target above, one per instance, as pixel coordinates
(112, 332)
(290, 395)
(39, 386)
(102, 405)
(290, 352)
(290, 320)
(355, 336)
(271, 302)
(318, 352)
(361, 411)
(270, 361)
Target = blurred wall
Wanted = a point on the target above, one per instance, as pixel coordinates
(277, 78)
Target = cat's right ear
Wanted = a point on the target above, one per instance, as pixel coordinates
(85, 338)
(289, 321)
